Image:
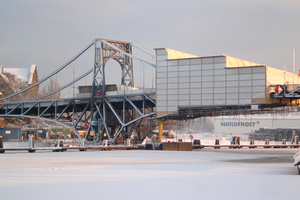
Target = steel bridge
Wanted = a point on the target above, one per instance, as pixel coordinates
(107, 116)
(116, 116)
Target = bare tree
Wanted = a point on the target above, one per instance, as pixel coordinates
(10, 84)
(52, 86)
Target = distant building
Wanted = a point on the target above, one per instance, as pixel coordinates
(15, 79)
(184, 80)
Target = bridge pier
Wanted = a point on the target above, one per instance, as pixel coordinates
(1, 145)
(31, 144)
(82, 144)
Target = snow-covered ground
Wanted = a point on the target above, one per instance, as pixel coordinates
(141, 174)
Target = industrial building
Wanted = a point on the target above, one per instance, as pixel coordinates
(184, 80)
(11, 133)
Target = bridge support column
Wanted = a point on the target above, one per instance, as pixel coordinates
(82, 145)
(160, 130)
(1, 145)
(31, 144)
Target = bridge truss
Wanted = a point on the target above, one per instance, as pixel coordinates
(106, 116)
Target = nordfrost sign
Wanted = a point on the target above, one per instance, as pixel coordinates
(239, 124)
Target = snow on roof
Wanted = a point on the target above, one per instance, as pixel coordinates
(174, 54)
(25, 74)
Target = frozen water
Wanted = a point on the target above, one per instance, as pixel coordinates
(133, 174)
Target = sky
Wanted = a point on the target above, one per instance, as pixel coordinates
(50, 32)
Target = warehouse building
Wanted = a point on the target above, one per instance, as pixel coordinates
(185, 80)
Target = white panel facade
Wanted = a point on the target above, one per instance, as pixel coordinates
(184, 79)
(207, 60)
(246, 70)
(172, 62)
(207, 102)
(195, 103)
(161, 97)
(245, 76)
(258, 70)
(161, 92)
(234, 77)
(219, 78)
(184, 92)
(184, 68)
(173, 103)
(219, 90)
(161, 63)
(195, 79)
(207, 78)
(195, 85)
(184, 97)
(183, 74)
(195, 96)
(220, 59)
(206, 82)
(232, 95)
(220, 102)
(161, 57)
(207, 67)
(259, 76)
(161, 80)
(197, 61)
(245, 95)
(162, 103)
(172, 74)
(172, 85)
(184, 85)
(184, 103)
(195, 73)
(259, 82)
(220, 66)
(219, 84)
(161, 86)
(219, 96)
(172, 68)
(232, 71)
(232, 89)
(245, 101)
(161, 108)
(173, 80)
(207, 96)
(172, 97)
(196, 67)
(219, 72)
(232, 83)
(207, 90)
(172, 91)
(161, 69)
(258, 95)
(161, 75)
(172, 109)
(232, 101)
(208, 73)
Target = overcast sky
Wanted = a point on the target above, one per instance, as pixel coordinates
(49, 32)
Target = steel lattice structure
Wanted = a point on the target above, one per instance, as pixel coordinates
(110, 115)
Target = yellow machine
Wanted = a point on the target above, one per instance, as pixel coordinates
(83, 133)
